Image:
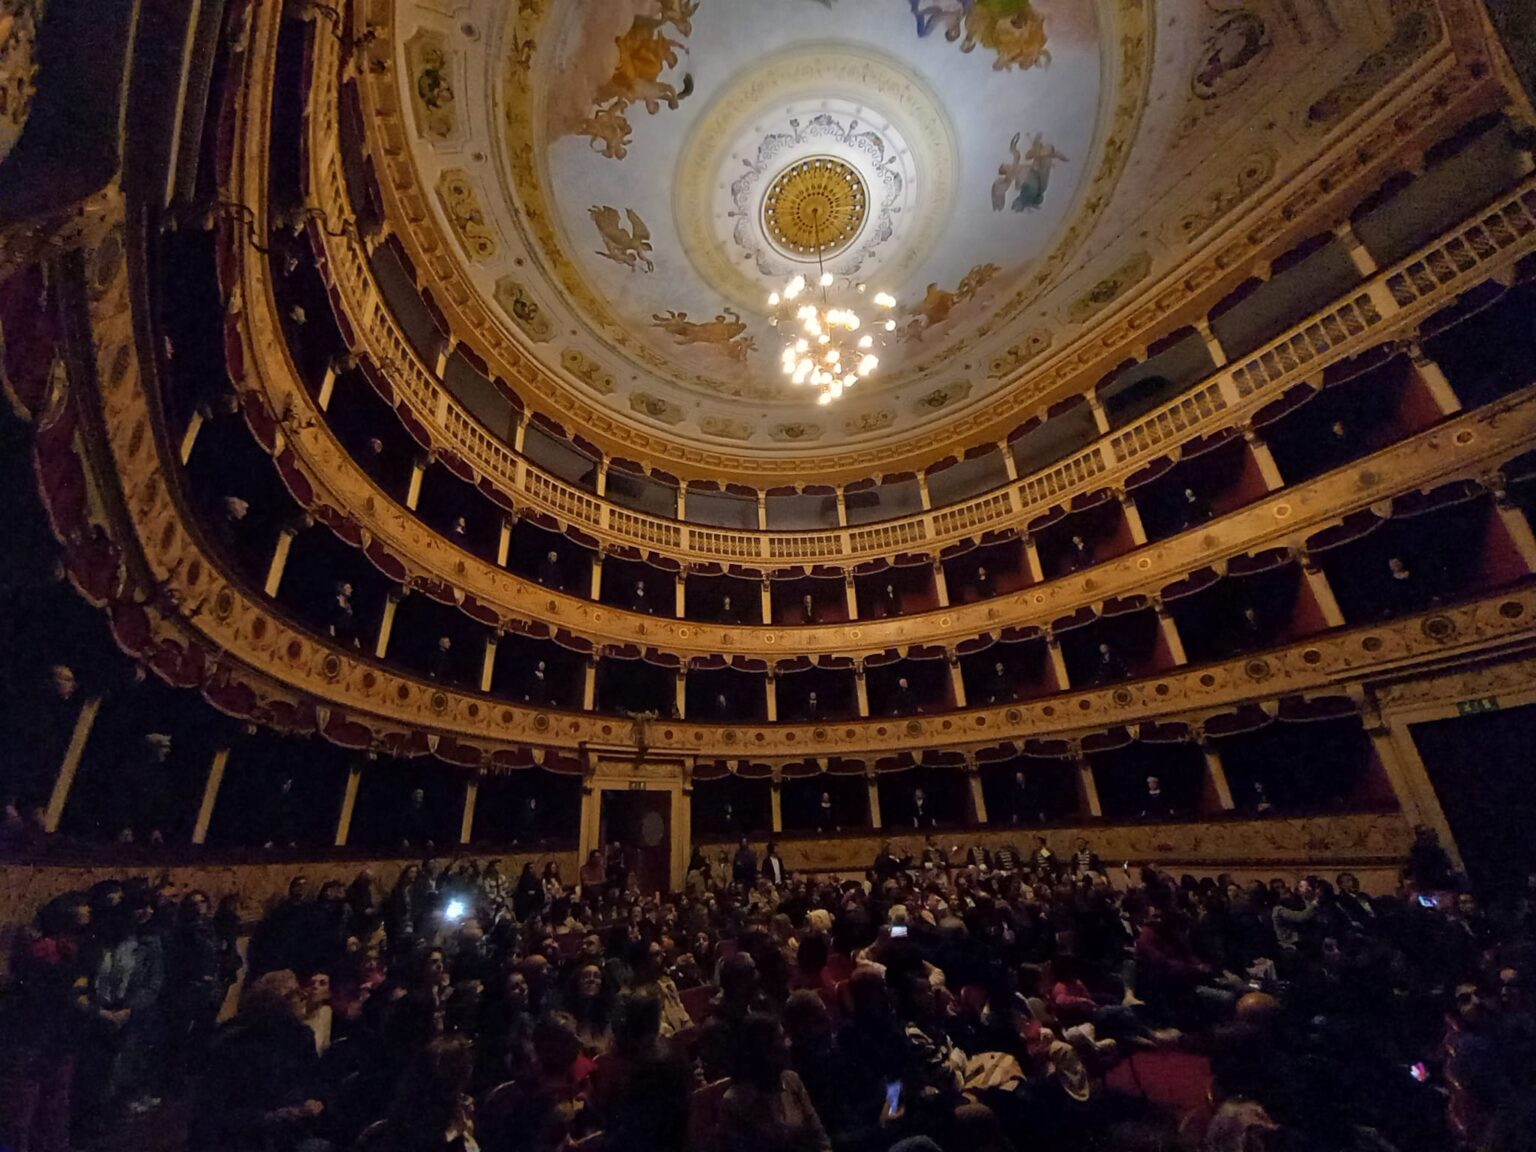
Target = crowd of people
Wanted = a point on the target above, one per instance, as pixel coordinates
(960, 1001)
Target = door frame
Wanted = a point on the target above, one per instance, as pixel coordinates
(611, 772)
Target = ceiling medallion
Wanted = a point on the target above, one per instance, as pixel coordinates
(815, 208)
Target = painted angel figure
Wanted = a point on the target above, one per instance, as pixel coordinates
(1029, 173)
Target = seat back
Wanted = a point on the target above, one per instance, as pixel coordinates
(704, 1116)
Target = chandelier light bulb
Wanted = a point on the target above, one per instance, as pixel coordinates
(824, 398)
(773, 300)
(866, 343)
(885, 300)
(890, 325)
(836, 388)
(826, 280)
(868, 365)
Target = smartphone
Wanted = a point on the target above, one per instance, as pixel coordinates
(893, 1096)
(1418, 1071)
(898, 931)
(1428, 902)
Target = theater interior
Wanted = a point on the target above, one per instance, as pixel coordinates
(975, 559)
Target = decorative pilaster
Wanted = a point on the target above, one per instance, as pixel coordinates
(861, 686)
(413, 493)
(1435, 381)
(386, 625)
(73, 754)
(940, 584)
(1132, 518)
(1322, 592)
(956, 680)
(210, 796)
(279, 561)
(1032, 561)
(488, 663)
(467, 819)
(874, 801)
(348, 805)
(1265, 460)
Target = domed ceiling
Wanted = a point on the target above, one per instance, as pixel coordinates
(628, 180)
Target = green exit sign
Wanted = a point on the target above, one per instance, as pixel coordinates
(1481, 704)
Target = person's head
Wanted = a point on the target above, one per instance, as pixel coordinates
(556, 1043)
(273, 996)
(637, 1022)
(515, 991)
(419, 795)
(1082, 843)
(298, 888)
(1466, 904)
(1040, 841)
(1347, 882)
(1154, 784)
(760, 1057)
(444, 643)
(195, 907)
(552, 556)
(317, 991)
(552, 871)
(588, 982)
(826, 799)
(738, 976)
(917, 794)
(1397, 566)
(867, 994)
(902, 684)
(807, 1023)
(772, 849)
(62, 676)
(743, 842)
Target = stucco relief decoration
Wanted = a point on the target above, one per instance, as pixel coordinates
(1231, 53)
(523, 310)
(433, 85)
(456, 191)
(726, 428)
(1020, 354)
(655, 408)
(941, 397)
(795, 432)
(864, 423)
(1251, 175)
(1111, 288)
(588, 371)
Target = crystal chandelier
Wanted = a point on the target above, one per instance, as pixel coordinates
(827, 344)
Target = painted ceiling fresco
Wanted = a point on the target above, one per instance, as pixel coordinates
(622, 176)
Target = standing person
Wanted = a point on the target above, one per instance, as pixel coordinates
(554, 889)
(593, 875)
(825, 817)
(774, 870)
(922, 814)
(1084, 859)
(744, 867)
(528, 896)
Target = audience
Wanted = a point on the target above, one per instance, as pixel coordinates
(968, 1002)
